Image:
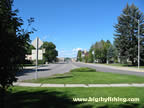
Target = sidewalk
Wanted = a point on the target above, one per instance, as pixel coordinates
(76, 85)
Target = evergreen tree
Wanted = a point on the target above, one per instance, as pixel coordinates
(126, 37)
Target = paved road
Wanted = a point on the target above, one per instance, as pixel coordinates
(51, 69)
(45, 71)
(112, 69)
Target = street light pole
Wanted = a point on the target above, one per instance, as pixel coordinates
(138, 45)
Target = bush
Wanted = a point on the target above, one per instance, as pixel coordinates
(40, 61)
(83, 69)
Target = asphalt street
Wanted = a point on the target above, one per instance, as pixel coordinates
(59, 68)
(112, 69)
(45, 71)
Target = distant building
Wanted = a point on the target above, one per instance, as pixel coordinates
(60, 59)
(28, 57)
(74, 59)
(84, 53)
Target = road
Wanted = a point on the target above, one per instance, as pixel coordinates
(45, 71)
(59, 68)
(112, 69)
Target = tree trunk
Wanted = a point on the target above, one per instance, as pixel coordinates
(2, 97)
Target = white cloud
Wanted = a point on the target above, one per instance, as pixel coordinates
(76, 49)
(68, 53)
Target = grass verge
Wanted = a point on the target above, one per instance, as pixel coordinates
(89, 76)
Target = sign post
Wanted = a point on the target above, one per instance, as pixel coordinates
(37, 43)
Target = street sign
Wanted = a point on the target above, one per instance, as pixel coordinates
(43, 50)
(40, 54)
(37, 54)
(34, 43)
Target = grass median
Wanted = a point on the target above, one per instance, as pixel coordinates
(89, 76)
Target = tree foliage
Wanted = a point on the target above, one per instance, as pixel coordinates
(13, 45)
(90, 57)
(51, 53)
(111, 53)
(126, 36)
(100, 50)
(79, 55)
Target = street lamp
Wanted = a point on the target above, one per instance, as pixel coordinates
(137, 20)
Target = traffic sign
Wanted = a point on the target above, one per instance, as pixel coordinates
(40, 43)
(40, 54)
(37, 54)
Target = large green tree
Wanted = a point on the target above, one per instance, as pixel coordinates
(13, 45)
(51, 53)
(101, 48)
(126, 36)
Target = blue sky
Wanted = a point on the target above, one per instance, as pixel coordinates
(73, 24)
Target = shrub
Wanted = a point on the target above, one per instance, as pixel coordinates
(83, 69)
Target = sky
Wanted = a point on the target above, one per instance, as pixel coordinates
(73, 24)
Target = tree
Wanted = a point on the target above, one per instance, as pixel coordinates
(86, 57)
(110, 53)
(100, 49)
(90, 57)
(126, 37)
(51, 53)
(13, 45)
(30, 48)
(79, 55)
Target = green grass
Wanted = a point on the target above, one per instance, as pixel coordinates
(84, 77)
(28, 97)
(83, 69)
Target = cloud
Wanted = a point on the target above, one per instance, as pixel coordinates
(76, 49)
(68, 53)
